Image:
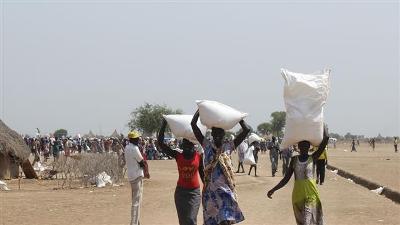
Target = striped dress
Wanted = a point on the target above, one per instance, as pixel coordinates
(307, 206)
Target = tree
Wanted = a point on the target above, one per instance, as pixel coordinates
(278, 122)
(264, 128)
(60, 133)
(349, 136)
(148, 117)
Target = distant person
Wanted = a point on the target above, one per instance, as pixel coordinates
(358, 142)
(137, 169)
(395, 144)
(56, 149)
(353, 146)
(255, 145)
(307, 206)
(190, 169)
(241, 149)
(373, 144)
(273, 148)
(286, 155)
(321, 163)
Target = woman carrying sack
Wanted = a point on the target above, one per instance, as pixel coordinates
(220, 206)
(255, 148)
(190, 165)
(307, 206)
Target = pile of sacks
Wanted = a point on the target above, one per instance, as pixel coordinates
(3, 186)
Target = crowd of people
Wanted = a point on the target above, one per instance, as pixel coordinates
(207, 160)
(47, 146)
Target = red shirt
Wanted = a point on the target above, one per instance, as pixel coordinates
(188, 171)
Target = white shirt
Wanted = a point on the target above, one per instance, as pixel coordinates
(242, 147)
(132, 158)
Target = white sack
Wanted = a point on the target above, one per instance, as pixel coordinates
(249, 157)
(102, 179)
(254, 137)
(180, 126)
(215, 114)
(3, 186)
(378, 190)
(305, 95)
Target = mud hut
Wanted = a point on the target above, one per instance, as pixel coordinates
(13, 152)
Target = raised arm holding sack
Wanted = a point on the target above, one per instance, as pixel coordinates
(190, 166)
(220, 205)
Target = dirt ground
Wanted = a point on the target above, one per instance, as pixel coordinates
(343, 202)
(381, 166)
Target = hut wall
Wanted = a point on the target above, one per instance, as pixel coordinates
(5, 164)
(14, 169)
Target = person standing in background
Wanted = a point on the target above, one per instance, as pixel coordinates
(321, 163)
(395, 144)
(373, 144)
(353, 146)
(241, 149)
(137, 169)
(286, 155)
(255, 145)
(274, 154)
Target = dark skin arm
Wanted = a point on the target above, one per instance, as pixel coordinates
(201, 169)
(284, 180)
(323, 144)
(196, 130)
(165, 148)
(143, 164)
(245, 131)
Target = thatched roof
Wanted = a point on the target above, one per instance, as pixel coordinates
(115, 134)
(89, 135)
(12, 143)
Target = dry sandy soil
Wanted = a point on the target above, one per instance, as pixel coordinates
(343, 202)
(381, 166)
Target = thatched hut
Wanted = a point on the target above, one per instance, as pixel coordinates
(115, 135)
(13, 152)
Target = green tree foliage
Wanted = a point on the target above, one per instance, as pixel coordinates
(349, 136)
(278, 122)
(60, 133)
(148, 117)
(264, 128)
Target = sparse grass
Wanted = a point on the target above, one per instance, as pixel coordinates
(86, 167)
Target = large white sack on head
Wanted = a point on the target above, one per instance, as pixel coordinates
(180, 126)
(305, 95)
(249, 157)
(254, 137)
(215, 114)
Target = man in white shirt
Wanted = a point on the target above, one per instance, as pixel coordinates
(137, 169)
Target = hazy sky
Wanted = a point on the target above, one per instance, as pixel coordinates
(85, 65)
